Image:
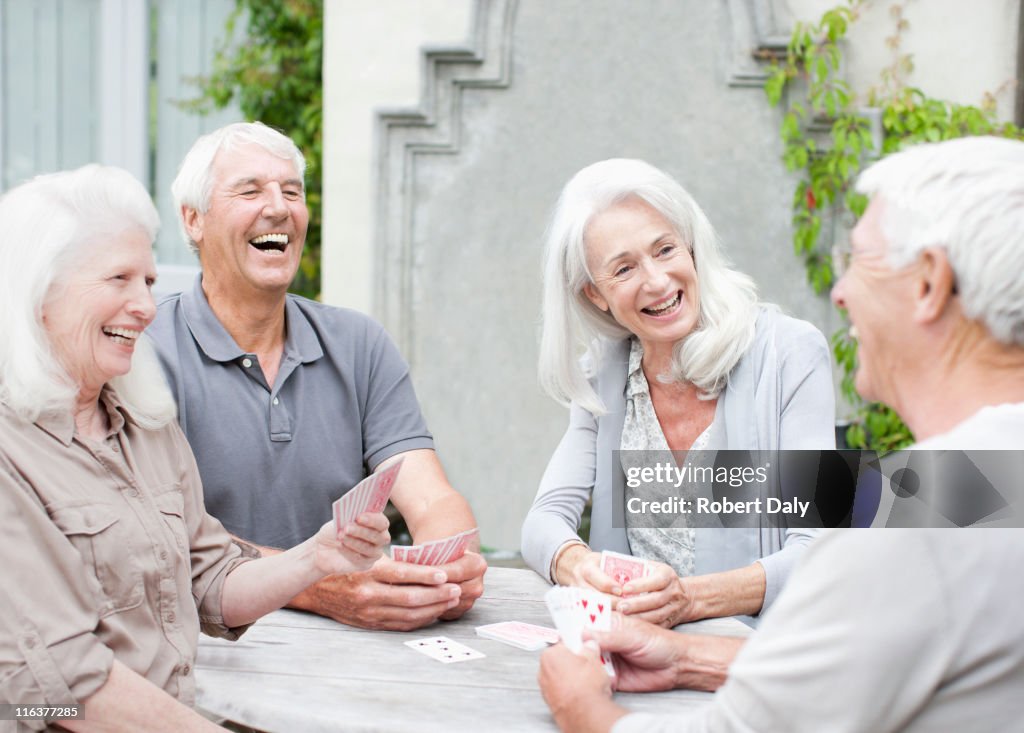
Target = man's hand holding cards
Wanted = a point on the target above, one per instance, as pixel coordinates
(577, 609)
(436, 552)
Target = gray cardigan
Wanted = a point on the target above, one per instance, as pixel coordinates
(779, 396)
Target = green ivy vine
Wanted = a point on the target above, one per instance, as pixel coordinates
(828, 140)
(274, 73)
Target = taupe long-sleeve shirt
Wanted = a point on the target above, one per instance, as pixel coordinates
(106, 552)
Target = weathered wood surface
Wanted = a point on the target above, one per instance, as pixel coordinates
(294, 671)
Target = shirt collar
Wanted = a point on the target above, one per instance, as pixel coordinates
(61, 425)
(206, 328)
(302, 343)
(636, 382)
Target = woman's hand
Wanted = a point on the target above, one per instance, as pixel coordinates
(356, 548)
(578, 566)
(660, 597)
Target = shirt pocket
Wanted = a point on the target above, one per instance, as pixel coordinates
(103, 541)
(171, 504)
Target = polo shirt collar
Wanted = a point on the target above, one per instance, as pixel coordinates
(302, 342)
(206, 328)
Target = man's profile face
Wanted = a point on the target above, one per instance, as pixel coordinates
(251, 236)
(877, 300)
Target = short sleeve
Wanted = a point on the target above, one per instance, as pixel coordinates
(392, 420)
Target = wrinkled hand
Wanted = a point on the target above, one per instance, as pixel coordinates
(660, 597)
(573, 684)
(586, 573)
(468, 571)
(357, 547)
(394, 596)
(645, 656)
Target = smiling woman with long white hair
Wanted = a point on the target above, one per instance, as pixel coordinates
(679, 355)
(109, 564)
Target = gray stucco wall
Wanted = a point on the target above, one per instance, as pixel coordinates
(466, 191)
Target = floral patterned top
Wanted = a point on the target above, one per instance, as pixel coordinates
(676, 546)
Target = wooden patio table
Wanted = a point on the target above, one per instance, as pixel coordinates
(297, 672)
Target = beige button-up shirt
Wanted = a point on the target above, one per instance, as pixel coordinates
(106, 552)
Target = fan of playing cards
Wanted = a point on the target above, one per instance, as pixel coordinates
(576, 609)
(369, 495)
(436, 552)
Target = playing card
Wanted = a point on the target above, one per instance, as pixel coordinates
(623, 568)
(438, 552)
(380, 489)
(519, 634)
(576, 609)
(369, 495)
(444, 649)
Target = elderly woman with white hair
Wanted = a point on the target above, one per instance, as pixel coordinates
(680, 356)
(110, 564)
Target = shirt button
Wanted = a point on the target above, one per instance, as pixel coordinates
(170, 617)
(247, 363)
(276, 400)
(133, 493)
(163, 554)
(115, 447)
(186, 670)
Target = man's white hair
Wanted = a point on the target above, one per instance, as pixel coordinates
(967, 197)
(194, 183)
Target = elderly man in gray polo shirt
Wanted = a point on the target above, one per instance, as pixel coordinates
(288, 403)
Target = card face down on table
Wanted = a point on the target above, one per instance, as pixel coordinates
(519, 634)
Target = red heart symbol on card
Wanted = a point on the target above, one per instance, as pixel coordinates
(584, 602)
(593, 618)
(600, 608)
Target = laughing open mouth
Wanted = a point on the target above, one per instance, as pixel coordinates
(665, 307)
(123, 336)
(270, 242)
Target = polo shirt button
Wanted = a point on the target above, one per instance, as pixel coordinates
(276, 400)
(247, 363)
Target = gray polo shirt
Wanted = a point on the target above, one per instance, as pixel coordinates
(273, 459)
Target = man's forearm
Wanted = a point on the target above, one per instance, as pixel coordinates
(441, 518)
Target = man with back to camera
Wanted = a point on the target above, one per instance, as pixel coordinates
(881, 630)
(288, 403)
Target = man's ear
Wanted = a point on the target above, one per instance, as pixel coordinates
(193, 222)
(595, 297)
(935, 285)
